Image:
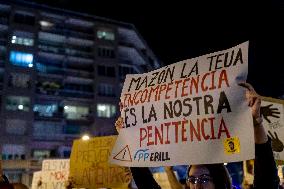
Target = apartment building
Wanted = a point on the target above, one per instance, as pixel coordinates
(61, 74)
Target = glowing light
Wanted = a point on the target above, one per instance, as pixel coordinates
(85, 137)
(45, 23)
(20, 107)
(102, 108)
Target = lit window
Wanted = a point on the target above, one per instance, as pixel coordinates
(23, 38)
(45, 110)
(106, 110)
(41, 154)
(13, 151)
(44, 23)
(21, 59)
(18, 103)
(76, 112)
(105, 34)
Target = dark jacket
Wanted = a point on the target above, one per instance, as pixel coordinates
(265, 171)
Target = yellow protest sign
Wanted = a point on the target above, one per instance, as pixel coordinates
(89, 165)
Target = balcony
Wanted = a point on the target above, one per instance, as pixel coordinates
(53, 138)
(80, 42)
(80, 25)
(130, 53)
(3, 42)
(50, 43)
(59, 30)
(80, 35)
(125, 43)
(76, 94)
(79, 73)
(57, 137)
(83, 120)
(52, 38)
(51, 56)
(4, 21)
(79, 60)
(43, 69)
(79, 53)
(63, 31)
(21, 164)
(50, 49)
(55, 117)
(131, 37)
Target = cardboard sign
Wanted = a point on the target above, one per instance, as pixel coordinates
(273, 121)
(185, 113)
(54, 174)
(89, 165)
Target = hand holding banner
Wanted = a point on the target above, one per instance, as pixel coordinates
(190, 112)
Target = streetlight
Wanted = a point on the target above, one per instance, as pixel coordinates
(85, 137)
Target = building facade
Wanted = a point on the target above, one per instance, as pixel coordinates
(61, 74)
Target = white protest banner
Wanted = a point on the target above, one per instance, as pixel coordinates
(55, 165)
(50, 179)
(190, 112)
(272, 112)
(89, 166)
(54, 174)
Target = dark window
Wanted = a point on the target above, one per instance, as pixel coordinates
(106, 71)
(72, 129)
(106, 52)
(105, 89)
(124, 70)
(24, 19)
(19, 80)
(101, 70)
(111, 71)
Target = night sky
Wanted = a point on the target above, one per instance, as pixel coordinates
(177, 30)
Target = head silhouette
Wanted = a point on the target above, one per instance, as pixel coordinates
(231, 145)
